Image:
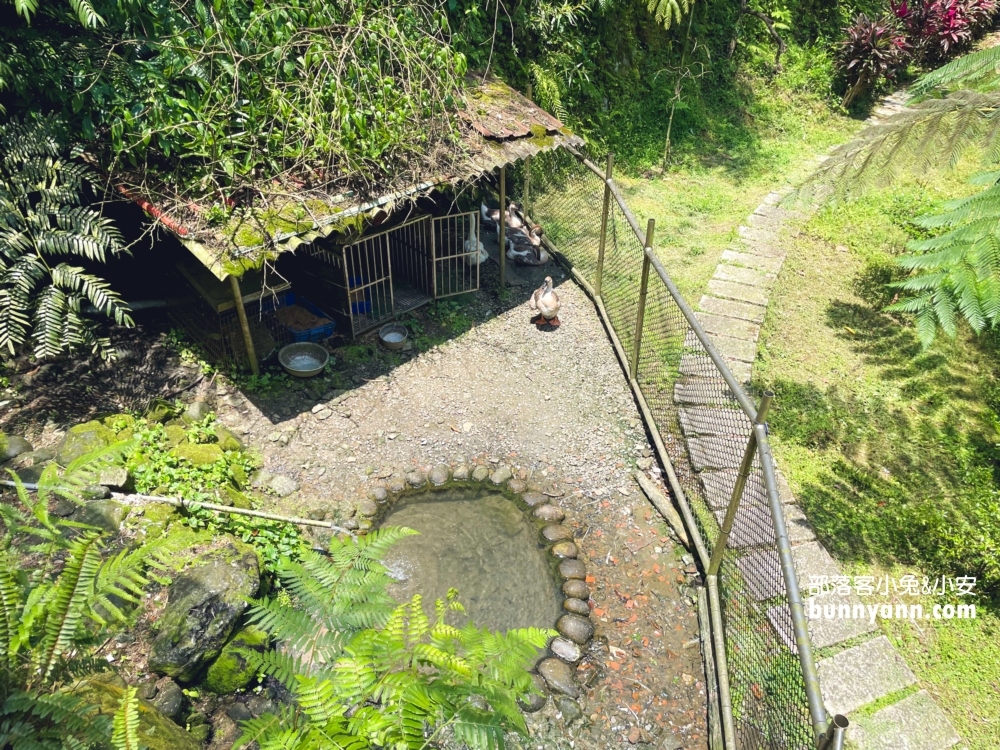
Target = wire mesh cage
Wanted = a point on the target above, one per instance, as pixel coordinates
(705, 428)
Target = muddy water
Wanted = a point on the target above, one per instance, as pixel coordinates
(480, 543)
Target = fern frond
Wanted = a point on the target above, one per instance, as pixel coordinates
(125, 734)
(669, 12)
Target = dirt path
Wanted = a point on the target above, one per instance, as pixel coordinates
(550, 406)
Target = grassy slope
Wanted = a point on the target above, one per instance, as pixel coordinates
(873, 431)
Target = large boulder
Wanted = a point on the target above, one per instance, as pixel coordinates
(156, 731)
(83, 439)
(231, 671)
(12, 446)
(105, 515)
(203, 605)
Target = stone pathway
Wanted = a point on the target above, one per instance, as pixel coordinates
(859, 666)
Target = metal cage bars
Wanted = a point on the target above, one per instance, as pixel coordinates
(664, 350)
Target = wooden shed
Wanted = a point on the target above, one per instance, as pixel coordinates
(359, 260)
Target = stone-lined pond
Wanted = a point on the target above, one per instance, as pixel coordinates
(481, 543)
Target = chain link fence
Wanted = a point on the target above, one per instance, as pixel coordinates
(712, 440)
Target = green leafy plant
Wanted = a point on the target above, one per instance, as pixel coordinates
(366, 673)
(42, 220)
(54, 614)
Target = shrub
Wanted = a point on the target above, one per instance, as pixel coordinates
(938, 28)
(873, 51)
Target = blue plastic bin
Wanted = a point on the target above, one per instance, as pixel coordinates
(359, 307)
(314, 335)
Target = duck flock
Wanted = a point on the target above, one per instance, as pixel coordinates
(524, 243)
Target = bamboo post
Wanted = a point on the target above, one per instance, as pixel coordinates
(643, 287)
(241, 313)
(599, 280)
(503, 227)
(527, 175)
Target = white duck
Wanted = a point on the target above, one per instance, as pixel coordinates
(546, 302)
(475, 253)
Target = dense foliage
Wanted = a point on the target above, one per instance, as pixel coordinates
(873, 51)
(368, 674)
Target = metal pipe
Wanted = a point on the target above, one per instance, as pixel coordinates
(800, 628)
(836, 733)
(722, 671)
(640, 314)
(741, 480)
(241, 313)
(599, 276)
(503, 228)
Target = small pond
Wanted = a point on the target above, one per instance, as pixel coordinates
(481, 543)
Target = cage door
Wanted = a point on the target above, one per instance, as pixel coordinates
(456, 254)
(368, 276)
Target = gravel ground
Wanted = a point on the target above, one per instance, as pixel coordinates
(553, 406)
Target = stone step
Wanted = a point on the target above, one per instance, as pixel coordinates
(861, 674)
(742, 275)
(823, 632)
(771, 264)
(752, 526)
(727, 346)
(701, 422)
(768, 248)
(734, 327)
(701, 365)
(796, 524)
(738, 292)
(715, 452)
(768, 235)
(732, 308)
(719, 487)
(914, 723)
(703, 392)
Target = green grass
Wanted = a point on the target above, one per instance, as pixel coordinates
(890, 448)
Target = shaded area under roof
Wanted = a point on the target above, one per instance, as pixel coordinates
(500, 127)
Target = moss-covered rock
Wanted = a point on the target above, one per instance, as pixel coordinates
(12, 446)
(119, 422)
(239, 476)
(106, 515)
(227, 440)
(203, 605)
(156, 731)
(160, 411)
(83, 439)
(152, 520)
(231, 671)
(232, 496)
(175, 435)
(200, 454)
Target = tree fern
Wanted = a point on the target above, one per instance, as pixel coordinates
(669, 12)
(41, 219)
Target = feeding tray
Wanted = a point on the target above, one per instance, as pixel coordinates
(393, 335)
(303, 360)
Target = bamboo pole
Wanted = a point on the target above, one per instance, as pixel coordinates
(599, 276)
(641, 312)
(526, 200)
(241, 313)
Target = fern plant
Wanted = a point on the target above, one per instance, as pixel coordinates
(54, 613)
(43, 222)
(368, 674)
(955, 275)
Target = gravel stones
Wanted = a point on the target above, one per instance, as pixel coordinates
(578, 629)
(576, 607)
(572, 570)
(323, 414)
(440, 474)
(517, 485)
(501, 475)
(549, 513)
(283, 486)
(480, 473)
(558, 676)
(576, 589)
(396, 484)
(566, 650)
(416, 479)
(379, 494)
(557, 533)
(462, 473)
(569, 709)
(564, 549)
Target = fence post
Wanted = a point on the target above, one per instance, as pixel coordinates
(599, 280)
(641, 312)
(526, 200)
(741, 480)
(503, 228)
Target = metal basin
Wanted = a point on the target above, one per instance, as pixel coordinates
(393, 335)
(303, 360)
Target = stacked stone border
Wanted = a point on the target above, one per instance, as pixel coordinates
(858, 666)
(555, 671)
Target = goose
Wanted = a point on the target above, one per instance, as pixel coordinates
(475, 253)
(526, 248)
(546, 302)
(512, 220)
(490, 216)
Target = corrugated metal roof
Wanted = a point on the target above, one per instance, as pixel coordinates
(503, 127)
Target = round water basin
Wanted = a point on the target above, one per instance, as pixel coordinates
(479, 542)
(303, 360)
